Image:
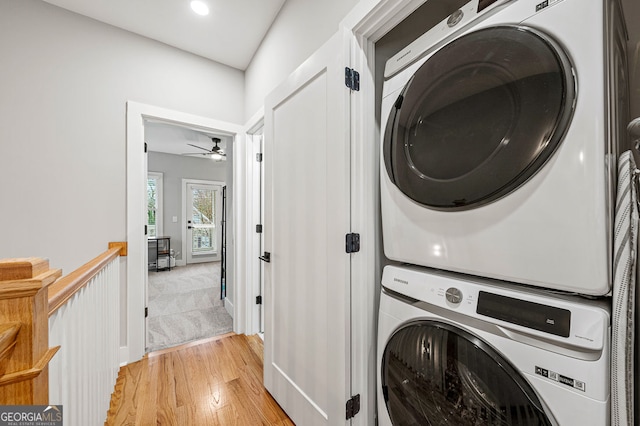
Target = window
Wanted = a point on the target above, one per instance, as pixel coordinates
(154, 204)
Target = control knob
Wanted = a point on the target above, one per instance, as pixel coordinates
(453, 295)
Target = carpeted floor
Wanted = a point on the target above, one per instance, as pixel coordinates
(185, 305)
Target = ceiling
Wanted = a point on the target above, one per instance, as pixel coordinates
(230, 34)
(174, 139)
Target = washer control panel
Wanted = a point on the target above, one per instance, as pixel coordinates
(453, 296)
(576, 324)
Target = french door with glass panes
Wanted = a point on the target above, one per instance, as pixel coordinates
(203, 215)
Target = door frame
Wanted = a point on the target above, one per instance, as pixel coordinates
(185, 183)
(368, 21)
(133, 347)
(251, 244)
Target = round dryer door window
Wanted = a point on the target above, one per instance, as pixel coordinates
(479, 118)
(437, 374)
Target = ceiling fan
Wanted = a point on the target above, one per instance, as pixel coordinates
(215, 152)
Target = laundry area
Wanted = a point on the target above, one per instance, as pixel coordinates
(509, 216)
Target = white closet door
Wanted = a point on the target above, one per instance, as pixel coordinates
(307, 282)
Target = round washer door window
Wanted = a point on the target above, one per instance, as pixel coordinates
(437, 374)
(479, 118)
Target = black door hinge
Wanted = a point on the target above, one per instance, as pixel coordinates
(145, 230)
(258, 229)
(352, 79)
(258, 300)
(259, 157)
(146, 312)
(353, 243)
(353, 406)
(145, 147)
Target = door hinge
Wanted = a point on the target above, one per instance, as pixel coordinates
(259, 157)
(352, 79)
(145, 230)
(146, 312)
(258, 229)
(258, 300)
(353, 406)
(145, 147)
(353, 243)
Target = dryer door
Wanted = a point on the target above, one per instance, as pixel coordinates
(437, 374)
(479, 118)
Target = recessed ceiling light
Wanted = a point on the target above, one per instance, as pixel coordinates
(200, 7)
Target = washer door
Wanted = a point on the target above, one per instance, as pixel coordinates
(479, 118)
(437, 374)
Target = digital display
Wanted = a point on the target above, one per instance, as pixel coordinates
(483, 4)
(548, 319)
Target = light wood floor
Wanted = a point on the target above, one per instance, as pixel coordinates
(213, 382)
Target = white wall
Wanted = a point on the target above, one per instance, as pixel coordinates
(302, 26)
(174, 169)
(64, 81)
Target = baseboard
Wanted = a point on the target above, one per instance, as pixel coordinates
(229, 307)
(124, 355)
(180, 262)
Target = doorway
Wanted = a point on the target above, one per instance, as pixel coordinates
(134, 330)
(184, 301)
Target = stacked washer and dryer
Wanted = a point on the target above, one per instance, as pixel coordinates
(501, 130)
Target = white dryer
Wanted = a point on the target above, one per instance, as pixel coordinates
(501, 131)
(452, 351)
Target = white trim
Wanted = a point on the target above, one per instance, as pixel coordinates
(368, 22)
(137, 113)
(228, 306)
(238, 234)
(159, 177)
(251, 248)
(218, 185)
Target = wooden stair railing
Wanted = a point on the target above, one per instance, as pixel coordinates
(24, 336)
(29, 294)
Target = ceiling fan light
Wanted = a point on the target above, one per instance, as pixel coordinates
(200, 7)
(216, 156)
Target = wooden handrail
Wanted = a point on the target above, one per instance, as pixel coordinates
(64, 289)
(28, 292)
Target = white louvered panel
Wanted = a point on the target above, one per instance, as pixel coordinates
(82, 375)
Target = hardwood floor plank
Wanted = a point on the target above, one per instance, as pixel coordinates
(148, 396)
(166, 407)
(216, 382)
(183, 388)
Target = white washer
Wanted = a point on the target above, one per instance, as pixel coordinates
(502, 126)
(452, 351)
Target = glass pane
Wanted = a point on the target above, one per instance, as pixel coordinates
(152, 206)
(203, 206)
(436, 374)
(203, 240)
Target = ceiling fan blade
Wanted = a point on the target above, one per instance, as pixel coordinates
(199, 147)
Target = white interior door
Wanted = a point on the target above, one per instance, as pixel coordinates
(203, 216)
(307, 281)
